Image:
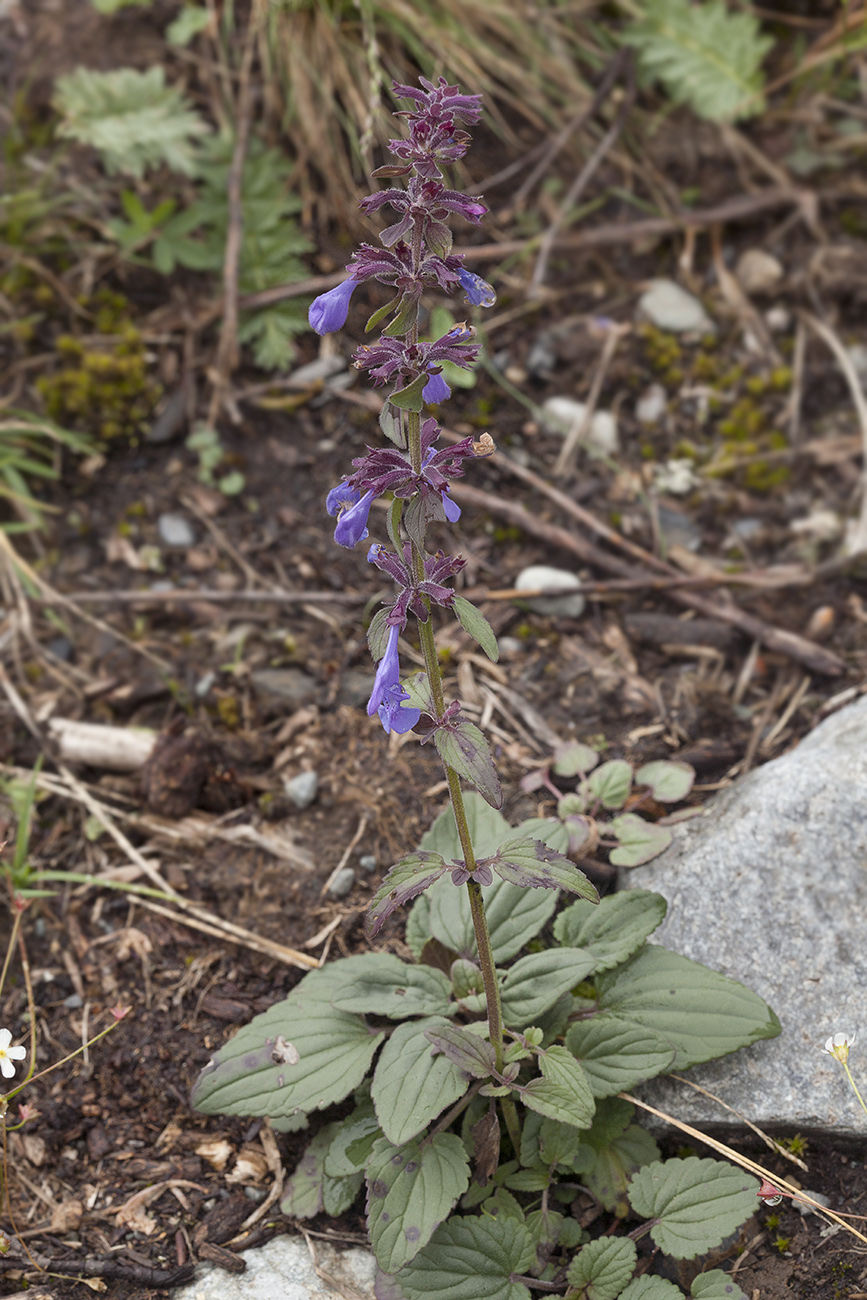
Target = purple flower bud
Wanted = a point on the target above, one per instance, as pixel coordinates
(451, 508)
(328, 312)
(388, 695)
(351, 510)
(436, 389)
(479, 292)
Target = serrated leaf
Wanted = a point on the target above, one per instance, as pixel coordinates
(573, 759)
(531, 864)
(475, 624)
(695, 1203)
(488, 829)
(702, 1013)
(410, 1190)
(614, 928)
(608, 1178)
(412, 1083)
(705, 56)
(396, 990)
(669, 781)
(465, 749)
(651, 1288)
(639, 840)
(467, 1051)
(334, 1048)
(544, 1227)
(548, 1141)
(339, 1193)
(361, 1124)
(562, 1093)
(191, 20)
(302, 1197)
(471, 1258)
(602, 1269)
(550, 830)
(132, 118)
(610, 783)
(535, 983)
(715, 1285)
(616, 1056)
(404, 881)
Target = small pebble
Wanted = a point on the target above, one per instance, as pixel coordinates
(677, 528)
(814, 1196)
(541, 358)
(540, 576)
(651, 404)
(73, 1002)
(321, 369)
(510, 645)
(671, 308)
(778, 319)
(204, 684)
(675, 477)
(342, 884)
(561, 414)
(302, 789)
(368, 862)
(61, 648)
(255, 1193)
(175, 530)
(757, 271)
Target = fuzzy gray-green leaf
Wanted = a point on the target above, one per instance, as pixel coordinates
(617, 1056)
(603, 1267)
(413, 1084)
(463, 747)
(471, 1258)
(475, 624)
(535, 983)
(612, 930)
(410, 1190)
(695, 1203)
(563, 1092)
(396, 990)
(404, 881)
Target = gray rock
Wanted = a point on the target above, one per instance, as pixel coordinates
(283, 1269)
(368, 862)
(757, 271)
(561, 414)
(539, 577)
(175, 530)
(302, 789)
(286, 685)
(770, 888)
(342, 883)
(671, 308)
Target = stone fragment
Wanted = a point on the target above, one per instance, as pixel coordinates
(302, 789)
(289, 686)
(540, 577)
(283, 1269)
(342, 883)
(650, 406)
(672, 309)
(770, 888)
(562, 414)
(175, 530)
(758, 272)
(368, 862)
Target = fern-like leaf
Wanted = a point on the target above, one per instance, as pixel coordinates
(133, 118)
(704, 55)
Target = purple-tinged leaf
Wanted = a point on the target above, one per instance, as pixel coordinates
(463, 747)
(467, 1051)
(530, 864)
(610, 783)
(669, 781)
(404, 881)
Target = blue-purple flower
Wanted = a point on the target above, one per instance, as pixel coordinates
(436, 389)
(351, 510)
(479, 292)
(414, 595)
(328, 312)
(388, 695)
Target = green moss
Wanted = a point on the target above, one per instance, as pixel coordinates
(106, 390)
(229, 712)
(797, 1144)
(782, 1244)
(762, 477)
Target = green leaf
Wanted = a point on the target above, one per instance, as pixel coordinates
(471, 1258)
(463, 747)
(562, 1093)
(695, 1203)
(602, 1269)
(410, 397)
(651, 1288)
(715, 1285)
(339, 1193)
(616, 1056)
(531, 864)
(613, 929)
(191, 20)
(377, 635)
(639, 840)
(548, 1141)
(302, 1197)
(412, 1084)
(410, 1190)
(488, 829)
(669, 781)
(344, 1157)
(535, 983)
(475, 624)
(608, 1178)
(573, 759)
(390, 422)
(403, 882)
(610, 783)
(392, 523)
(703, 1014)
(132, 118)
(380, 314)
(550, 830)
(396, 990)
(705, 56)
(334, 1048)
(467, 1051)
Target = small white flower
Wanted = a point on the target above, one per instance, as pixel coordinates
(838, 1046)
(8, 1055)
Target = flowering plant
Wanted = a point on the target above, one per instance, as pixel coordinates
(441, 1054)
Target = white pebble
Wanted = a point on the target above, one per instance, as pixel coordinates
(541, 577)
(671, 308)
(757, 271)
(175, 530)
(562, 414)
(302, 789)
